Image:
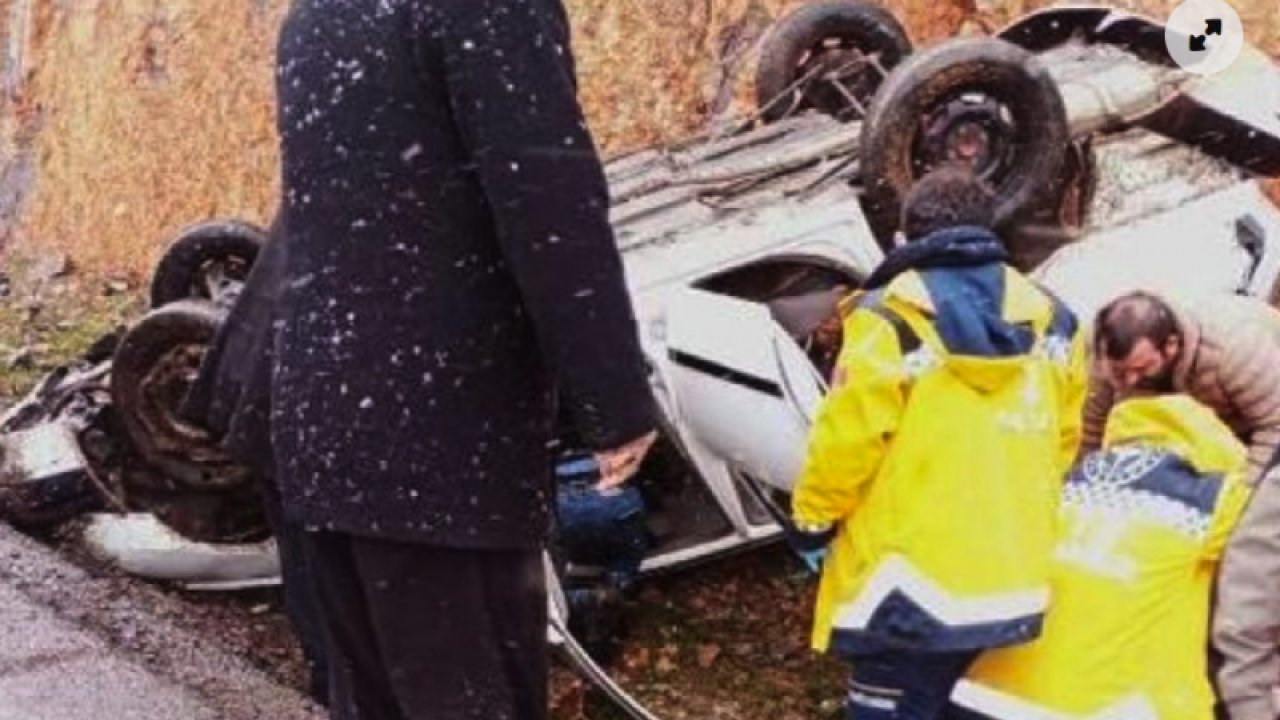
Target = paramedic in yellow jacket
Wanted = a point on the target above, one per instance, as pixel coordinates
(1143, 523)
(935, 461)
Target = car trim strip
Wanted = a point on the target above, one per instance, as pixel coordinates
(728, 374)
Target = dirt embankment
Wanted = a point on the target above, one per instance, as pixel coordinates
(141, 116)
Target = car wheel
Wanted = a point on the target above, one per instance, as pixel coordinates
(980, 102)
(1060, 220)
(844, 47)
(152, 371)
(204, 260)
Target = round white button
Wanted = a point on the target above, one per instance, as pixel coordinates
(1204, 36)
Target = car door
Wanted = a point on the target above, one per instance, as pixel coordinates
(741, 384)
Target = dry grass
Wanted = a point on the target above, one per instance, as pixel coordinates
(650, 70)
(158, 113)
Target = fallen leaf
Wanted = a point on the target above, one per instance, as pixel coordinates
(707, 654)
(636, 659)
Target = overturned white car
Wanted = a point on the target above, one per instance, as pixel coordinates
(1115, 169)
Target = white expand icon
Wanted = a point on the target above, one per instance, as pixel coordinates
(1204, 36)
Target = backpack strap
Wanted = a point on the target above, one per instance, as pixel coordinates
(1063, 323)
(1062, 329)
(908, 340)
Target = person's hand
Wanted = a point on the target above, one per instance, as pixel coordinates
(813, 559)
(619, 464)
(811, 545)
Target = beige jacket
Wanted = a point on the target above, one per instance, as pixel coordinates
(1230, 362)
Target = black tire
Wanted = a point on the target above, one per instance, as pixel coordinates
(943, 77)
(794, 41)
(1059, 221)
(230, 245)
(151, 372)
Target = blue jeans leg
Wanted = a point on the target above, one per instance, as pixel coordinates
(904, 686)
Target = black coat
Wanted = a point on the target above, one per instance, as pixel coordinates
(231, 395)
(450, 271)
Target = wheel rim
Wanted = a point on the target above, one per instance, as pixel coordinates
(216, 277)
(213, 500)
(972, 129)
(842, 77)
(161, 392)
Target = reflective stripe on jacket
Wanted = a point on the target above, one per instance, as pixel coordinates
(1142, 525)
(940, 468)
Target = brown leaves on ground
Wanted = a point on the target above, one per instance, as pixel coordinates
(707, 655)
(728, 640)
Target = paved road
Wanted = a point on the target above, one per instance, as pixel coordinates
(72, 647)
(49, 668)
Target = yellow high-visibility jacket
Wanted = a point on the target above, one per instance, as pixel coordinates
(1143, 523)
(939, 466)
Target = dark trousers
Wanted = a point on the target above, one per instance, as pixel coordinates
(904, 685)
(299, 600)
(416, 632)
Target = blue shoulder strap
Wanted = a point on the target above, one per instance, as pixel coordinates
(1063, 323)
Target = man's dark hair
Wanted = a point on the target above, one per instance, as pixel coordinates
(1130, 318)
(947, 197)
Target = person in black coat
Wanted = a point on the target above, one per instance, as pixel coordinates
(451, 272)
(231, 398)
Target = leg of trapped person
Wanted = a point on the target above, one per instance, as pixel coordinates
(438, 633)
(1246, 622)
(904, 685)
